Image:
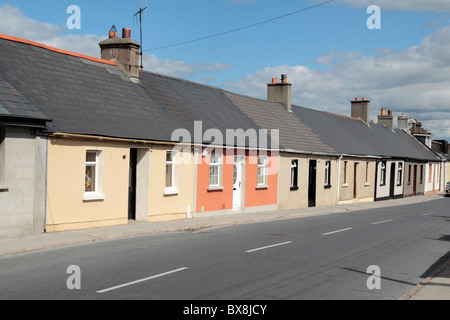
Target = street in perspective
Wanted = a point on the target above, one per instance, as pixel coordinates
(353, 253)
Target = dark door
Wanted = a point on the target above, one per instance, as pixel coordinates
(415, 181)
(132, 185)
(392, 189)
(312, 183)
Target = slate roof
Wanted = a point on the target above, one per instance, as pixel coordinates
(93, 97)
(351, 136)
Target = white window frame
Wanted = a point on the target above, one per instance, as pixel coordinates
(218, 165)
(95, 194)
(294, 174)
(383, 173)
(328, 173)
(399, 174)
(262, 168)
(173, 188)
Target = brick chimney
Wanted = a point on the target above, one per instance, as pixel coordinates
(361, 109)
(386, 119)
(280, 92)
(125, 51)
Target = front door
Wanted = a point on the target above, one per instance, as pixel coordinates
(132, 185)
(355, 180)
(237, 183)
(393, 182)
(312, 183)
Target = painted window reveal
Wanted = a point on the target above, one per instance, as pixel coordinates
(367, 173)
(345, 172)
(262, 171)
(400, 174)
(91, 171)
(294, 174)
(214, 170)
(328, 174)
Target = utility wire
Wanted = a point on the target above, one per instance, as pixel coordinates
(241, 28)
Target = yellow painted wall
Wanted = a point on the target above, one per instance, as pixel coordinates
(66, 209)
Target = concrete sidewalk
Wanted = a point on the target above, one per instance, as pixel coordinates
(437, 287)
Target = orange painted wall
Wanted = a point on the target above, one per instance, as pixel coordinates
(215, 200)
(260, 197)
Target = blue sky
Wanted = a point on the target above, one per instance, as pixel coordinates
(327, 52)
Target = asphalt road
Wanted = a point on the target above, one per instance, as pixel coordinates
(318, 257)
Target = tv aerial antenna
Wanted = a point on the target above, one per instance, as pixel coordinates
(138, 17)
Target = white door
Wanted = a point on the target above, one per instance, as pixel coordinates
(237, 183)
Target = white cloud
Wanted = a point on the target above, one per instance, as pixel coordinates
(179, 68)
(414, 81)
(403, 5)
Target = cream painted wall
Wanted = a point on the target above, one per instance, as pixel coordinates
(66, 209)
(170, 204)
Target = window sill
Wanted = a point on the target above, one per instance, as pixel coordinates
(294, 188)
(327, 186)
(215, 188)
(262, 187)
(367, 184)
(171, 191)
(345, 185)
(4, 188)
(92, 196)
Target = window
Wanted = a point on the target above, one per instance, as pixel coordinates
(400, 174)
(2, 157)
(294, 175)
(328, 174)
(91, 172)
(171, 173)
(383, 173)
(367, 172)
(170, 169)
(421, 173)
(345, 172)
(214, 170)
(262, 171)
(92, 176)
(409, 174)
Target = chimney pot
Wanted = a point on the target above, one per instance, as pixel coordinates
(383, 112)
(364, 99)
(284, 78)
(126, 33)
(356, 99)
(274, 80)
(390, 112)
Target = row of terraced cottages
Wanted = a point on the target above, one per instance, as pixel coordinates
(87, 142)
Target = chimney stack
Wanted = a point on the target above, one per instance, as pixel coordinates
(361, 109)
(386, 119)
(125, 51)
(280, 92)
(403, 122)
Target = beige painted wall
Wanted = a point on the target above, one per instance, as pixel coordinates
(67, 208)
(409, 178)
(365, 189)
(294, 199)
